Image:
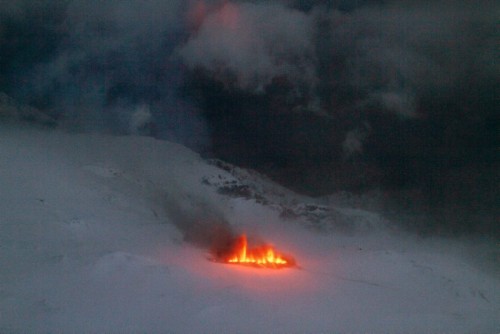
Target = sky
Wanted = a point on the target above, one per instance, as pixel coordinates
(323, 96)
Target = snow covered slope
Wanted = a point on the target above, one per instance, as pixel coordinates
(89, 243)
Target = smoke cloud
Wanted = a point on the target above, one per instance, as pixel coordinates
(321, 95)
(248, 45)
(201, 225)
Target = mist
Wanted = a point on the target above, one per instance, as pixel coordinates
(392, 100)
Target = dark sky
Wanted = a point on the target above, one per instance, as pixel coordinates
(321, 95)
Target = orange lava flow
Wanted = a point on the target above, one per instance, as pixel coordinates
(263, 256)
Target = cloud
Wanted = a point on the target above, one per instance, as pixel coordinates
(374, 55)
(248, 45)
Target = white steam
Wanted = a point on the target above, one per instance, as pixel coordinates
(140, 118)
(255, 43)
(353, 142)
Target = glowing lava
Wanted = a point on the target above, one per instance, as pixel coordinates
(263, 256)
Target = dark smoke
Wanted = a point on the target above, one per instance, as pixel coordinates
(201, 225)
(322, 95)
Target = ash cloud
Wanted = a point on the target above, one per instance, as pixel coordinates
(391, 95)
(322, 95)
(246, 46)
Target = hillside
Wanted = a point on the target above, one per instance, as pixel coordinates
(110, 234)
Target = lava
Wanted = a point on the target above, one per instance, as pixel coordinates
(262, 256)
